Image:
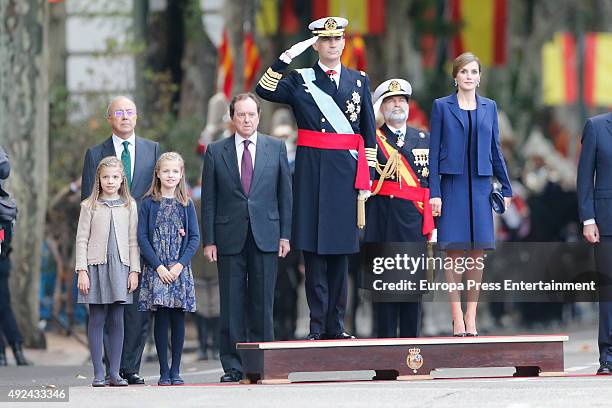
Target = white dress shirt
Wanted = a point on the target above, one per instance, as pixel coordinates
(118, 143)
(336, 76)
(239, 140)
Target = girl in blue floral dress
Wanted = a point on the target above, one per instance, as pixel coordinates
(168, 236)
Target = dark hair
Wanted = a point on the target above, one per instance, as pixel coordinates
(464, 59)
(242, 97)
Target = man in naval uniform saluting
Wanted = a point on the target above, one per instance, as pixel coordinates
(336, 128)
(398, 209)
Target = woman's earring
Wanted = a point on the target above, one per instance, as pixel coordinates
(478, 84)
(455, 82)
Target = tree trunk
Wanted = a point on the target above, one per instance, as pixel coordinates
(24, 116)
(237, 12)
(199, 66)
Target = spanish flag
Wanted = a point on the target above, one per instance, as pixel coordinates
(354, 54)
(225, 74)
(598, 69)
(251, 61)
(559, 72)
(364, 16)
(482, 29)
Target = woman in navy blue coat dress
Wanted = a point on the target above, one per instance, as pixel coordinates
(464, 156)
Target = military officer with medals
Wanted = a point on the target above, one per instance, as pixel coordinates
(336, 127)
(398, 209)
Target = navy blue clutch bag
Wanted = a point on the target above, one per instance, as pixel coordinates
(497, 200)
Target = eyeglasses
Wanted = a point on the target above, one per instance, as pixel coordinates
(128, 113)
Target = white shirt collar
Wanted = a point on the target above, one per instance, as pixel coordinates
(117, 141)
(394, 130)
(337, 68)
(239, 139)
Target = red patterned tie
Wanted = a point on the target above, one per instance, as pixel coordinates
(246, 168)
(330, 73)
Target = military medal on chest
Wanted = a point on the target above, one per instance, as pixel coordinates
(421, 159)
(353, 106)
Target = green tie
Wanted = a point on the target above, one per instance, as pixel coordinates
(126, 159)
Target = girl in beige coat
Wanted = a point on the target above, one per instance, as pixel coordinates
(107, 263)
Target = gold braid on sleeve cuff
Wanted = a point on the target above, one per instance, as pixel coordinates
(270, 79)
(371, 156)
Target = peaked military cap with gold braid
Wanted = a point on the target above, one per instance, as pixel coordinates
(392, 87)
(328, 26)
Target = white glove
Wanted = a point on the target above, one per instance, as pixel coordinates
(297, 49)
(364, 194)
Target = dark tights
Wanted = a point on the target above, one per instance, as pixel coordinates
(173, 319)
(95, 331)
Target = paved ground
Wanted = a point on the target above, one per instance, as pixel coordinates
(65, 365)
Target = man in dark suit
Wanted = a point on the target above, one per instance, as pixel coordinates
(398, 210)
(138, 156)
(246, 219)
(594, 185)
(332, 106)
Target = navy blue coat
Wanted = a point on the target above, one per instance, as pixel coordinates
(324, 195)
(227, 212)
(594, 181)
(395, 219)
(147, 215)
(448, 148)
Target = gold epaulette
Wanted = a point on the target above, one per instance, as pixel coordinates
(270, 79)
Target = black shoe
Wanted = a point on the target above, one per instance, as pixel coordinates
(3, 361)
(133, 379)
(177, 380)
(19, 357)
(457, 334)
(98, 383)
(118, 382)
(231, 376)
(342, 336)
(605, 368)
(314, 336)
(471, 334)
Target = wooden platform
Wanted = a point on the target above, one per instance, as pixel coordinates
(402, 359)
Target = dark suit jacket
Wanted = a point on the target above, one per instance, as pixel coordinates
(147, 153)
(447, 151)
(227, 211)
(594, 181)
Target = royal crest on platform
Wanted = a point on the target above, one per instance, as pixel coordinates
(414, 359)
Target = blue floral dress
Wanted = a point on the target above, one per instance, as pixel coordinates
(168, 236)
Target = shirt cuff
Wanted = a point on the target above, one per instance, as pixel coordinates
(284, 239)
(590, 221)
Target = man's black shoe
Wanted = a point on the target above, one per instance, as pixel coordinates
(342, 336)
(231, 376)
(314, 336)
(133, 379)
(605, 368)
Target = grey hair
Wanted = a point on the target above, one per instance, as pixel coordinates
(115, 99)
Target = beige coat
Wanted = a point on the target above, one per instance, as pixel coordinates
(94, 229)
